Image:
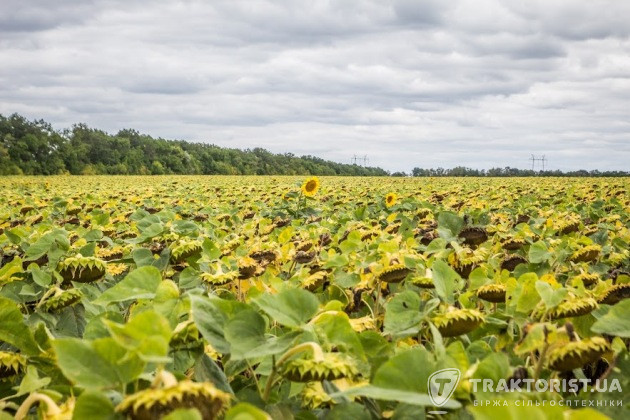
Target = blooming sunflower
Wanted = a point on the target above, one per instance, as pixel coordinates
(310, 186)
(390, 199)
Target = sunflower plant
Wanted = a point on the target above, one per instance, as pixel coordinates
(268, 297)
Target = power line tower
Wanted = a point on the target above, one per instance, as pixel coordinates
(365, 160)
(353, 160)
(541, 159)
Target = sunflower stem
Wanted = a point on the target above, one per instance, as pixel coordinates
(377, 300)
(164, 379)
(318, 355)
(47, 295)
(52, 409)
(541, 358)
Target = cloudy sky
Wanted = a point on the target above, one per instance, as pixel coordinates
(480, 83)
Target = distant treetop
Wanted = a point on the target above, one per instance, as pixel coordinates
(34, 148)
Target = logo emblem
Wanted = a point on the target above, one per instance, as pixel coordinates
(442, 384)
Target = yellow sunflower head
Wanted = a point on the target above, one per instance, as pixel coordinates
(310, 186)
(390, 199)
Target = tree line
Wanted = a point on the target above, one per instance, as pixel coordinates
(509, 172)
(35, 148)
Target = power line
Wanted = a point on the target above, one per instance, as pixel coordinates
(541, 159)
(356, 160)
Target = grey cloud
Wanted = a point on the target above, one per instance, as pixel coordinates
(409, 83)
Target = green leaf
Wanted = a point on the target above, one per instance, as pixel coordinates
(286, 234)
(246, 334)
(449, 225)
(585, 414)
(40, 277)
(538, 252)
(14, 330)
(184, 227)
(151, 231)
(495, 366)
(126, 365)
(83, 365)
(291, 307)
(184, 414)
(139, 284)
(31, 381)
(616, 321)
(387, 394)
(352, 243)
(94, 406)
(96, 328)
(436, 245)
(338, 260)
(210, 319)
(526, 295)
(246, 411)
(446, 281)
(147, 333)
(335, 328)
(8, 271)
(510, 411)
(402, 314)
(349, 410)
(168, 303)
(551, 297)
(142, 257)
(533, 341)
(40, 247)
(88, 249)
(407, 371)
(206, 370)
(210, 249)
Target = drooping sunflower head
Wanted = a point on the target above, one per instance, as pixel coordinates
(11, 364)
(423, 282)
(466, 259)
(390, 199)
(304, 257)
(513, 244)
(456, 322)
(264, 256)
(586, 254)
(565, 227)
(510, 262)
(66, 411)
(219, 277)
(575, 354)
(110, 254)
(247, 267)
(315, 280)
(394, 273)
(492, 293)
(587, 279)
(184, 250)
(310, 186)
(573, 307)
(314, 396)
(362, 324)
(155, 403)
(82, 269)
(61, 300)
(185, 333)
(473, 236)
(615, 294)
(308, 369)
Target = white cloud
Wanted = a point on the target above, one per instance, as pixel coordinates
(431, 83)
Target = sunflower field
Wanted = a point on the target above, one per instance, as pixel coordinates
(201, 297)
